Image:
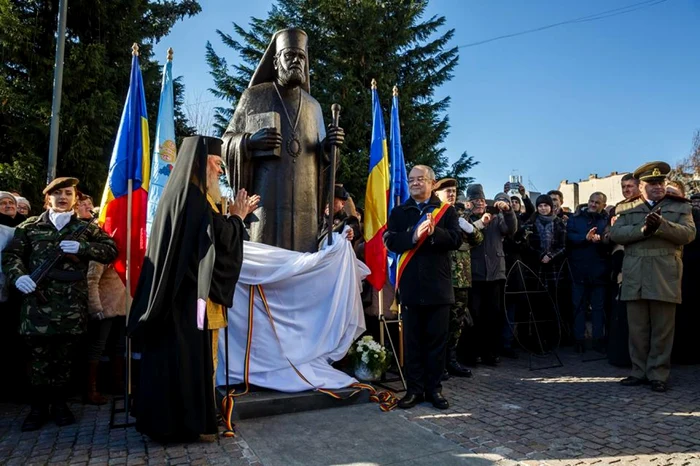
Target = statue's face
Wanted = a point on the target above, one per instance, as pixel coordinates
(290, 64)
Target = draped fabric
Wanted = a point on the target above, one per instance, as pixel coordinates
(315, 302)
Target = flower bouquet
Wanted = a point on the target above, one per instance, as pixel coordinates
(370, 359)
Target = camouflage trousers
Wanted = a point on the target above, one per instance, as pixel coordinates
(51, 359)
(458, 317)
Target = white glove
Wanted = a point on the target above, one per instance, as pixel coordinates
(466, 226)
(25, 284)
(69, 247)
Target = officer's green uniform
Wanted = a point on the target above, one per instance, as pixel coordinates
(461, 282)
(52, 327)
(651, 275)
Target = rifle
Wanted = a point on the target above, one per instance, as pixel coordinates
(40, 273)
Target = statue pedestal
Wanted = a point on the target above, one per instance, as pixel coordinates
(260, 402)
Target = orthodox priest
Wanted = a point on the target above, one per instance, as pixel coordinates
(189, 275)
(277, 146)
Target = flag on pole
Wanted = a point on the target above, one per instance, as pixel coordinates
(165, 151)
(376, 197)
(398, 186)
(129, 170)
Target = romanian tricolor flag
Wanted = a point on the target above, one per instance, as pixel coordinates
(129, 171)
(376, 197)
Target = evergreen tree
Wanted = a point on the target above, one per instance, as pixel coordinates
(99, 36)
(459, 171)
(350, 43)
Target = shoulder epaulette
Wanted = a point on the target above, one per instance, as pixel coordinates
(631, 199)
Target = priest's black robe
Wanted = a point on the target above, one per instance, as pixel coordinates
(176, 399)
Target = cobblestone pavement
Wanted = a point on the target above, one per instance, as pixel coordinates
(505, 416)
(573, 415)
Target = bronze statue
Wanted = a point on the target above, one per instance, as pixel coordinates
(276, 145)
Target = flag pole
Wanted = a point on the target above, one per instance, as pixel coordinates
(129, 199)
(57, 89)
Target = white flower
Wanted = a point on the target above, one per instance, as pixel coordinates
(376, 356)
(365, 358)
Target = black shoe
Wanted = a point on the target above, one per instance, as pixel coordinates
(632, 381)
(658, 386)
(445, 375)
(458, 370)
(599, 346)
(37, 417)
(438, 401)
(61, 414)
(492, 361)
(410, 400)
(509, 353)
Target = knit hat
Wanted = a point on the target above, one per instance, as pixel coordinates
(502, 197)
(544, 199)
(24, 201)
(8, 195)
(475, 191)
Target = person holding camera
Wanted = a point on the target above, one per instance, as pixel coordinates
(483, 341)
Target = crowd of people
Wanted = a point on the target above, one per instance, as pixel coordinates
(482, 279)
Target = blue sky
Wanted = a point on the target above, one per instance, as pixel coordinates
(583, 98)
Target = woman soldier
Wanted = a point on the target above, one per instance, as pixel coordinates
(53, 314)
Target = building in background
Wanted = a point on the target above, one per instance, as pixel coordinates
(577, 193)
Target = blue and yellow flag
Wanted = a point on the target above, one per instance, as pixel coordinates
(165, 151)
(398, 187)
(129, 170)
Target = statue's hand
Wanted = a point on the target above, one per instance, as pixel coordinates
(334, 137)
(265, 139)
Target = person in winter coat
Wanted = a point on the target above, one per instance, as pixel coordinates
(544, 240)
(653, 227)
(483, 341)
(426, 230)
(589, 259)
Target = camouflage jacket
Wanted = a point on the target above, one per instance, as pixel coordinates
(65, 288)
(462, 261)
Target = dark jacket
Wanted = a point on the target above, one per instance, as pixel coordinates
(427, 279)
(529, 236)
(488, 259)
(589, 262)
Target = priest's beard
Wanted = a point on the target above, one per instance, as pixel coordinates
(291, 78)
(213, 188)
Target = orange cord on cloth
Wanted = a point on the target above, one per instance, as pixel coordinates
(386, 399)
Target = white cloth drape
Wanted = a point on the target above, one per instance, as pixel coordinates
(315, 303)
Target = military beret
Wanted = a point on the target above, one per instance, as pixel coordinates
(340, 192)
(59, 183)
(445, 183)
(652, 171)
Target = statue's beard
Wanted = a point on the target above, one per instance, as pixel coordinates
(293, 77)
(213, 188)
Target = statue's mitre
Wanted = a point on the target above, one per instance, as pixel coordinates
(282, 39)
(291, 38)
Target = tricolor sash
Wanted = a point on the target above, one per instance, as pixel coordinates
(404, 258)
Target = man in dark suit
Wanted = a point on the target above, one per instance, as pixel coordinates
(424, 231)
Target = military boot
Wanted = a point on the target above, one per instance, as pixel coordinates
(37, 416)
(93, 396)
(454, 367)
(62, 416)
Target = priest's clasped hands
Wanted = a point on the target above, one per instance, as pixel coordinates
(243, 204)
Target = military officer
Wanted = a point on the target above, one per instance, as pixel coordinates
(54, 312)
(653, 227)
(446, 190)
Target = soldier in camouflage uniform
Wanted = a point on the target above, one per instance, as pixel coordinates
(54, 313)
(446, 190)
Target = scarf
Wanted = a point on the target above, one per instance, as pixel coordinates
(545, 228)
(60, 219)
